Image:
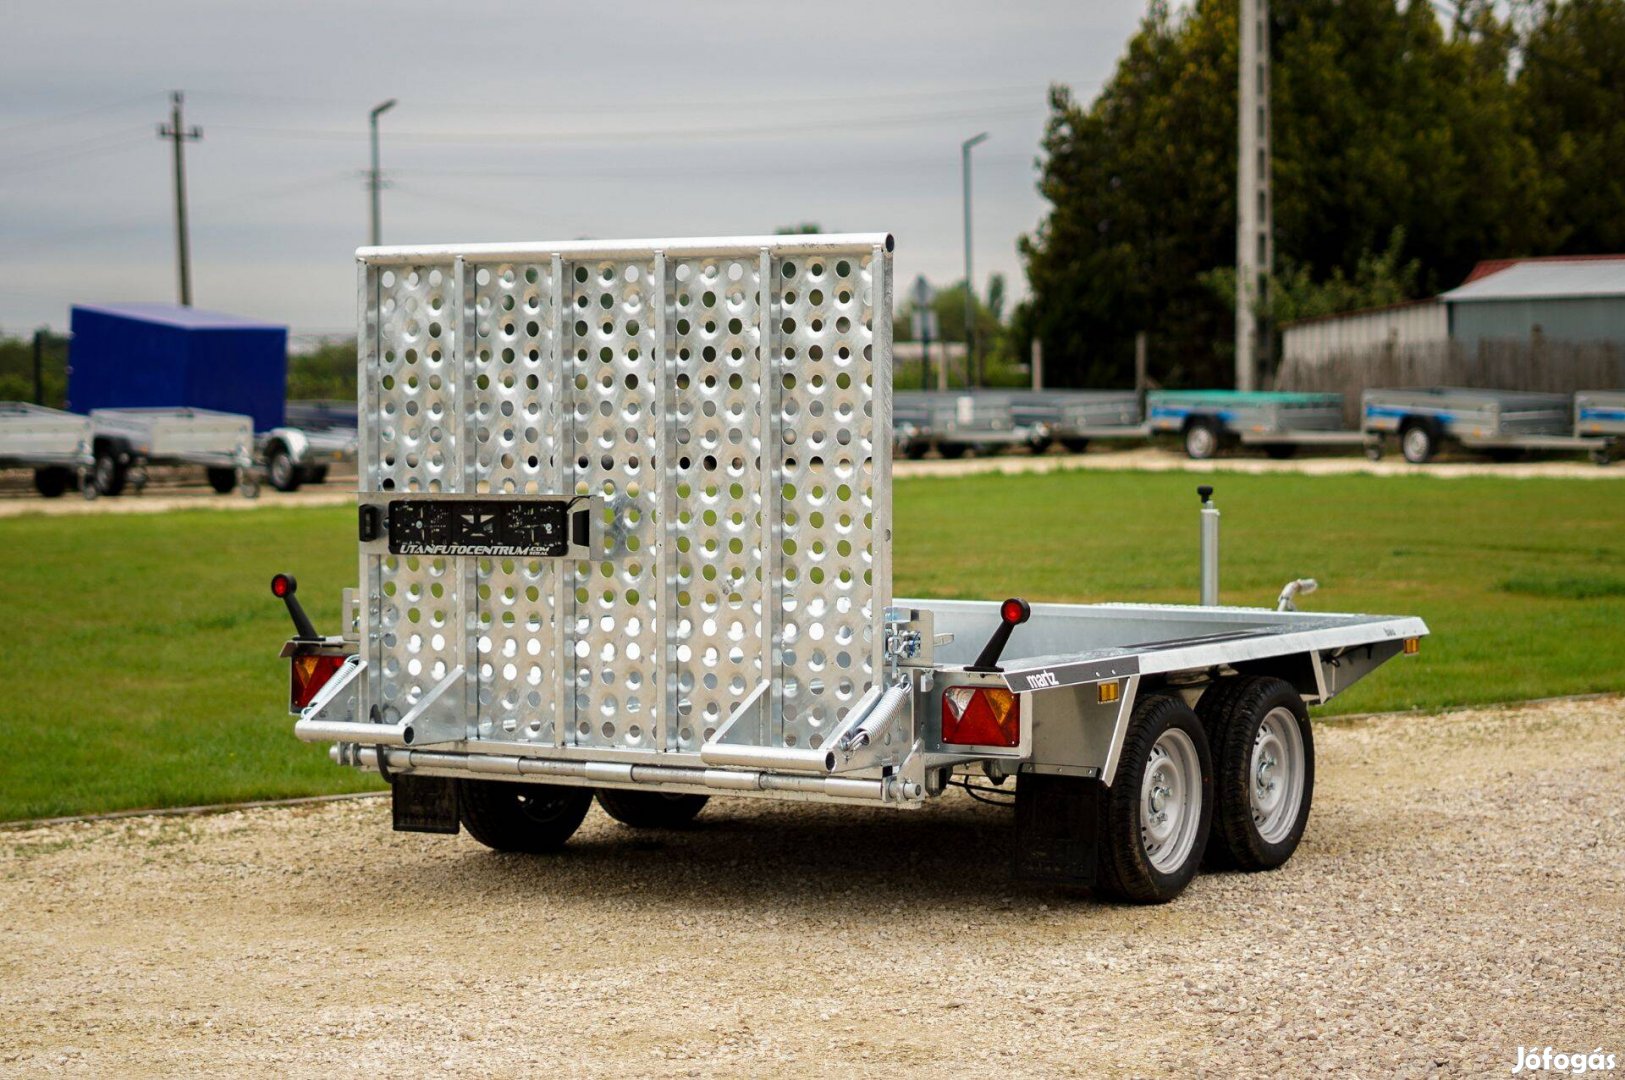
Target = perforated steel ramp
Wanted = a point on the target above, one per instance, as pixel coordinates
(720, 407)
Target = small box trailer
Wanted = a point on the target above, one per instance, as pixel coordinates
(624, 522)
(1278, 422)
(1600, 414)
(1501, 423)
(129, 441)
(959, 423)
(1074, 418)
(315, 436)
(53, 443)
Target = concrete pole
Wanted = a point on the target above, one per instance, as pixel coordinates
(179, 134)
(1038, 364)
(1255, 211)
(374, 181)
(973, 376)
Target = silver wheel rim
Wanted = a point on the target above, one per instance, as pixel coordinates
(1275, 775)
(1171, 801)
(1416, 444)
(281, 470)
(1199, 441)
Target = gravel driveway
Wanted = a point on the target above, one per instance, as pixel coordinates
(1461, 892)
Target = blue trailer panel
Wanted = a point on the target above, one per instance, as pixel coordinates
(164, 356)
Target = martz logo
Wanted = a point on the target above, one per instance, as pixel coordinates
(1043, 678)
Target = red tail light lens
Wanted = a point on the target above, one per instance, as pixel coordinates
(310, 674)
(981, 716)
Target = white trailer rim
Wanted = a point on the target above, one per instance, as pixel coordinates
(1416, 444)
(1275, 778)
(1171, 801)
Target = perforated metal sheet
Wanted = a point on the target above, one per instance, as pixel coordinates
(724, 404)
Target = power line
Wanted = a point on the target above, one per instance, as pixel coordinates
(68, 117)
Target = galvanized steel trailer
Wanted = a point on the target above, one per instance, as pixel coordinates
(53, 443)
(1279, 422)
(625, 532)
(1502, 423)
(128, 441)
(1074, 418)
(316, 436)
(959, 422)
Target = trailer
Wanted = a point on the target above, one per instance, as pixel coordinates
(53, 443)
(1278, 422)
(1503, 424)
(316, 436)
(960, 422)
(646, 557)
(126, 442)
(1074, 418)
(1600, 413)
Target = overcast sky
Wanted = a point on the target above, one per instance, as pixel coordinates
(515, 122)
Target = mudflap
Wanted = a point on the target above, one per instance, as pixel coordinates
(424, 803)
(1057, 828)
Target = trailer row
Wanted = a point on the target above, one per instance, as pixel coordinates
(110, 451)
(1500, 423)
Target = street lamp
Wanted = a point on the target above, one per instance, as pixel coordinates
(373, 180)
(972, 373)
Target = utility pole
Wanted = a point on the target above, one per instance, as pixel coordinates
(1255, 209)
(973, 373)
(374, 182)
(179, 134)
(39, 365)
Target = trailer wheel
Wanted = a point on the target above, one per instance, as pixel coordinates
(1280, 451)
(222, 480)
(1373, 450)
(1159, 807)
(1418, 442)
(651, 809)
(1264, 764)
(1040, 444)
(281, 471)
(52, 481)
(1075, 445)
(1602, 455)
(528, 818)
(952, 450)
(1201, 440)
(914, 451)
(109, 473)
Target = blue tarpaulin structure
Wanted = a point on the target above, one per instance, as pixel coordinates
(144, 355)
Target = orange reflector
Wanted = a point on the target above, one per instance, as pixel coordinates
(1413, 646)
(310, 674)
(980, 716)
(1108, 693)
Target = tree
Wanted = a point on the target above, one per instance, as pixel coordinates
(1380, 120)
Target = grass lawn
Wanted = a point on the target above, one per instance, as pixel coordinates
(140, 651)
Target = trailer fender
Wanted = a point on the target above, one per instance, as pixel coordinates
(1079, 730)
(292, 440)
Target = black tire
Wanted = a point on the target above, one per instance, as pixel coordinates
(1235, 710)
(1418, 441)
(1126, 868)
(1202, 439)
(1280, 451)
(1040, 445)
(952, 450)
(52, 481)
(1602, 455)
(222, 480)
(916, 450)
(528, 818)
(280, 470)
(1075, 446)
(109, 474)
(315, 474)
(651, 809)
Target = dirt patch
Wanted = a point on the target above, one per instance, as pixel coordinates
(1460, 892)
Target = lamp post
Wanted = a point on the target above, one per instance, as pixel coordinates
(972, 372)
(373, 180)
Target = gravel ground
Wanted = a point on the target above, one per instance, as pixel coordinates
(1459, 894)
(18, 497)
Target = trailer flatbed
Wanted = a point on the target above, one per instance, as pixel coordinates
(1276, 421)
(128, 441)
(54, 444)
(1501, 423)
(678, 584)
(1074, 418)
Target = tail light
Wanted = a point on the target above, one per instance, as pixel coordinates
(310, 672)
(981, 716)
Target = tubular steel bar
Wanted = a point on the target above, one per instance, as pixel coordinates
(678, 247)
